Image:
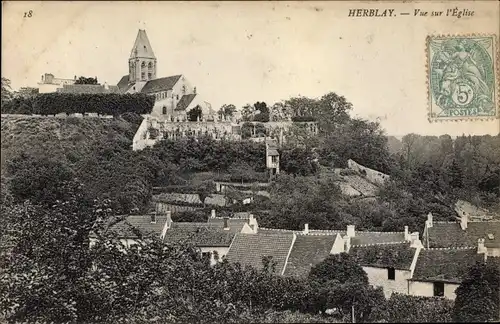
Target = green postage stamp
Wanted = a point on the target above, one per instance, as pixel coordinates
(462, 77)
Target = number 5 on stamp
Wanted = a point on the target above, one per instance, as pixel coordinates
(462, 77)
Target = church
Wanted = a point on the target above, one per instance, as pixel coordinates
(174, 95)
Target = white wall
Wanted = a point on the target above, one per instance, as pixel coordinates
(222, 251)
(378, 277)
(426, 289)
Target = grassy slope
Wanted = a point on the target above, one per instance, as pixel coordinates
(59, 137)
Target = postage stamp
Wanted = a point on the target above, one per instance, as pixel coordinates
(462, 77)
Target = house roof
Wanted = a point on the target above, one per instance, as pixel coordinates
(445, 265)
(307, 251)
(363, 238)
(398, 255)
(272, 152)
(249, 249)
(142, 47)
(235, 224)
(185, 101)
(161, 84)
(134, 226)
(200, 234)
(450, 234)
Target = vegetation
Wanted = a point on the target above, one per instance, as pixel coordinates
(415, 309)
(102, 104)
(85, 80)
(478, 296)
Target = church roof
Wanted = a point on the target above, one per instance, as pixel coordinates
(185, 101)
(123, 83)
(142, 47)
(161, 84)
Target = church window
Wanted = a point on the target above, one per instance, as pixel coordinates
(143, 64)
(177, 97)
(150, 75)
(143, 75)
(150, 65)
(164, 110)
(184, 89)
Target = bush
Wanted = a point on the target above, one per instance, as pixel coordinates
(298, 119)
(415, 309)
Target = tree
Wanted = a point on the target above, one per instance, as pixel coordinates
(227, 110)
(195, 114)
(85, 80)
(339, 267)
(478, 296)
(263, 115)
(247, 113)
(6, 90)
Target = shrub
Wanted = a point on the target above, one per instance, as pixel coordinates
(298, 119)
(416, 309)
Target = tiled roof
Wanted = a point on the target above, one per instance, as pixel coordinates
(398, 256)
(450, 234)
(160, 84)
(235, 224)
(185, 101)
(307, 251)
(86, 88)
(272, 152)
(134, 226)
(200, 234)
(363, 238)
(445, 265)
(249, 249)
(123, 83)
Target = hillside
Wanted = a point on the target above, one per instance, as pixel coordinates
(65, 138)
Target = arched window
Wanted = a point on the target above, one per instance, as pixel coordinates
(184, 89)
(150, 65)
(143, 75)
(143, 64)
(150, 75)
(164, 110)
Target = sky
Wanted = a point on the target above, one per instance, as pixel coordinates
(243, 52)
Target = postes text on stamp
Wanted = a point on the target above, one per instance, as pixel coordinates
(461, 77)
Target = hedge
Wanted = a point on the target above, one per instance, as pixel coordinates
(103, 104)
(303, 119)
(416, 309)
(185, 189)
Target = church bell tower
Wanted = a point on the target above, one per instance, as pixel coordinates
(142, 61)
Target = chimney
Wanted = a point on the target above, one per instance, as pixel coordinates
(226, 223)
(169, 219)
(429, 220)
(306, 228)
(250, 218)
(415, 240)
(213, 214)
(407, 235)
(153, 218)
(351, 231)
(463, 221)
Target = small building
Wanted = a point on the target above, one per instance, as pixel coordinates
(388, 265)
(439, 271)
(462, 233)
(49, 83)
(272, 158)
(87, 89)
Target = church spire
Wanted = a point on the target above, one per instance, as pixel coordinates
(142, 48)
(142, 61)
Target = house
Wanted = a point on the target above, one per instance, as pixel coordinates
(49, 83)
(239, 223)
(388, 265)
(462, 233)
(251, 249)
(272, 158)
(439, 271)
